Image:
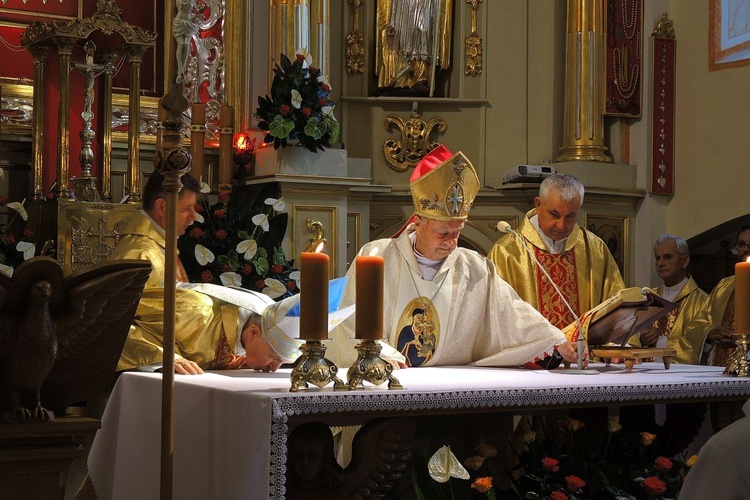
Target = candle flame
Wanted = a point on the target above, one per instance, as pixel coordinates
(319, 247)
(373, 252)
(747, 259)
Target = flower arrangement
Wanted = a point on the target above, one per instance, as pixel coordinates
(14, 250)
(237, 242)
(299, 108)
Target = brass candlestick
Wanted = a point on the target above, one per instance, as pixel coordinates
(371, 367)
(738, 364)
(315, 368)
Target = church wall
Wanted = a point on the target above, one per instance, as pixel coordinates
(712, 147)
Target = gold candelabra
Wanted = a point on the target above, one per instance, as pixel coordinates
(738, 364)
(371, 367)
(315, 369)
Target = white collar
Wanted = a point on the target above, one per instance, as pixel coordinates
(428, 267)
(670, 292)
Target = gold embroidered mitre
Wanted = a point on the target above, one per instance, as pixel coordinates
(444, 185)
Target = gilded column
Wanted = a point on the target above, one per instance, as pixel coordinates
(40, 54)
(133, 187)
(106, 154)
(64, 50)
(583, 129)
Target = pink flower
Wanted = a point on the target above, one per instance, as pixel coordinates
(550, 464)
(654, 486)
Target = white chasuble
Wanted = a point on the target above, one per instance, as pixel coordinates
(422, 307)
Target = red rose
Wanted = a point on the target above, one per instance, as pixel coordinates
(247, 269)
(260, 284)
(662, 464)
(291, 285)
(28, 233)
(207, 276)
(558, 495)
(198, 208)
(326, 87)
(10, 239)
(550, 464)
(196, 232)
(575, 483)
(322, 101)
(225, 268)
(306, 110)
(277, 268)
(219, 214)
(3, 200)
(654, 486)
(313, 69)
(221, 234)
(300, 57)
(284, 109)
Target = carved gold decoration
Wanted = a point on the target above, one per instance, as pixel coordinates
(738, 364)
(664, 28)
(315, 227)
(473, 44)
(415, 139)
(315, 368)
(355, 43)
(370, 367)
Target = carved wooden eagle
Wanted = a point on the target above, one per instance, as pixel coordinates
(61, 337)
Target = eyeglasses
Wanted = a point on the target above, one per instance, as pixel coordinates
(741, 245)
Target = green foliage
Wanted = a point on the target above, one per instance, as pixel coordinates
(299, 108)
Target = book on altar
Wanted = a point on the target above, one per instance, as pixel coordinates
(620, 317)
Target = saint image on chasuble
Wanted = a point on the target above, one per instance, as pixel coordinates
(419, 331)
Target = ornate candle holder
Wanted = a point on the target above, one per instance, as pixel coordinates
(244, 156)
(315, 369)
(738, 364)
(371, 367)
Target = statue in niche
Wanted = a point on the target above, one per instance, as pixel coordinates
(413, 43)
(184, 27)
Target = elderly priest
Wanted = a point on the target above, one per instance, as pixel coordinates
(446, 305)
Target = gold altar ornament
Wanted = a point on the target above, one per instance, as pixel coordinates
(414, 143)
(355, 43)
(370, 367)
(315, 369)
(738, 364)
(473, 53)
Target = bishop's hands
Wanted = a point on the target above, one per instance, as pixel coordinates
(649, 336)
(569, 352)
(186, 367)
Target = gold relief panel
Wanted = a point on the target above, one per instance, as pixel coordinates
(613, 230)
(302, 236)
(384, 226)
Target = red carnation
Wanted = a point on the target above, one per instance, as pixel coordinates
(654, 486)
(306, 110)
(322, 101)
(28, 233)
(221, 234)
(575, 483)
(247, 269)
(284, 109)
(196, 232)
(663, 464)
(558, 495)
(207, 276)
(260, 284)
(313, 69)
(219, 214)
(291, 285)
(10, 239)
(226, 268)
(326, 87)
(550, 464)
(277, 268)
(300, 57)
(198, 208)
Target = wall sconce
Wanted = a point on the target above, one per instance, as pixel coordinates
(244, 155)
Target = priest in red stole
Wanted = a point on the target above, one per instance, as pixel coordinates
(577, 260)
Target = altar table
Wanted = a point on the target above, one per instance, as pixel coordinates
(231, 426)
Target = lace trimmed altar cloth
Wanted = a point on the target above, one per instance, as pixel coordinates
(231, 426)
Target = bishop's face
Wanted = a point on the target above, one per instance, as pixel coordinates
(436, 239)
(557, 217)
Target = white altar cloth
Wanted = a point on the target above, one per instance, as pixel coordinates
(231, 426)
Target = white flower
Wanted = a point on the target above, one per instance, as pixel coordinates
(296, 99)
(18, 207)
(328, 112)
(199, 218)
(443, 465)
(262, 221)
(28, 249)
(230, 279)
(205, 188)
(248, 247)
(6, 270)
(278, 205)
(203, 255)
(296, 276)
(274, 288)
